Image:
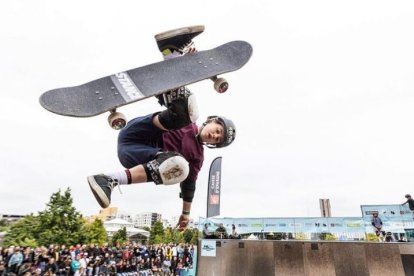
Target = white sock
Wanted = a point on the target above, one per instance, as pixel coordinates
(121, 176)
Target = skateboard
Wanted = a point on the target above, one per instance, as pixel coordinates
(111, 92)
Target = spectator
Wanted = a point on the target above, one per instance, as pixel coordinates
(234, 234)
(42, 258)
(377, 224)
(2, 267)
(174, 251)
(84, 260)
(166, 267)
(64, 265)
(109, 261)
(221, 232)
(15, 261)
(179, 267)
(143, 267)
(51, 267)
(206, 232)
(180, 251)
(174, 263)
(389, 237)
(75, 265)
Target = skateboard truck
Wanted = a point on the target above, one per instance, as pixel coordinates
(220, 84)
(116, 120)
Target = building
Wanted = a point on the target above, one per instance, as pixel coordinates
(147, 219)
(105, 214)
(133, 233)
(10, 218)
(325, 205)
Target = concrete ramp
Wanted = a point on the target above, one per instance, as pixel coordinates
(262, 258)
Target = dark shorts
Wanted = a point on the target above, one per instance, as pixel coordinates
(139, 141)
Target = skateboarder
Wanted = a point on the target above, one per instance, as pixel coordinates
(410, 202)
(166, 147)
(377, 224)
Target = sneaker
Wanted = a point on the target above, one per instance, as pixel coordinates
(102, 186)
(178, 39)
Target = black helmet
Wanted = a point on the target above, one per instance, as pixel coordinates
(229, 130)
(407, 195)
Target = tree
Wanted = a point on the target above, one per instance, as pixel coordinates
(157, 233)
(24, 232)
(187, 235)
(60, 222)
(194, 238)
(4, 225)
(120, 237)
(172, 236)
(95, 232)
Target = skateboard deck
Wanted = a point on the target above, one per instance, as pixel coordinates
(111, 92)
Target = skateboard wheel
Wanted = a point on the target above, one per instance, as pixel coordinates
(117, 120)
(221, 85)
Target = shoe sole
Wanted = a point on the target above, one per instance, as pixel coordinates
(175, 32)
(98, 192)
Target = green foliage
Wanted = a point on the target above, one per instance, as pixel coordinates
(23, 232)
(187, 235)
(327, 236)
(95, 232)
(301, 236)
(157, 233)
(120, 237)
(4, 225)
(172, 236)
(371, 237)
(60, 222)
(195, 235)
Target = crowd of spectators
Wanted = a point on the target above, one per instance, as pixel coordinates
(93, 260)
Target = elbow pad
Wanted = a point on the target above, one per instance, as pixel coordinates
(187, 190)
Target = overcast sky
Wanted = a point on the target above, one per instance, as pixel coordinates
(324, 108)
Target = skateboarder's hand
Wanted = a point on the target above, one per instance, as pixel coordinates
(183, 223)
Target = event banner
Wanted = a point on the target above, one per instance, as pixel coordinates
(214, 188)
(395, 217)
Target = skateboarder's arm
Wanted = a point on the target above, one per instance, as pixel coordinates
(187, 194)
(186, 209)
(184, 217)
(187, 190)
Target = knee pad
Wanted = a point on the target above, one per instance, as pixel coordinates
(167, 168)
(193, 108)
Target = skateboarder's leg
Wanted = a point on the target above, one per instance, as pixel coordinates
(167, 168)
(144, 161)
(172, 44)
(177, 40)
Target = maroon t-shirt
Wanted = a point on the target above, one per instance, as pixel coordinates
(185, 142)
